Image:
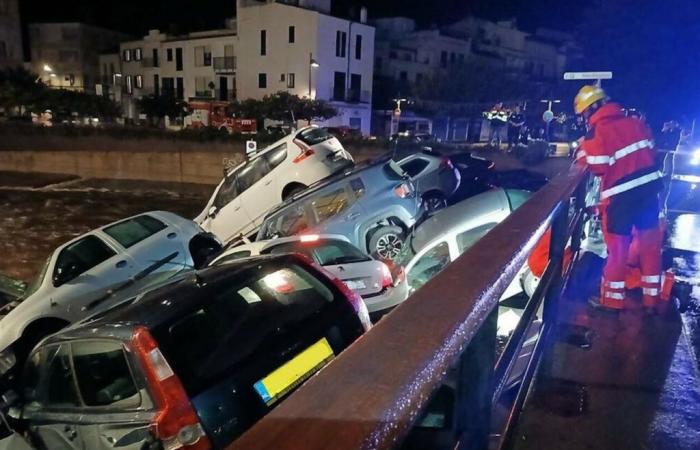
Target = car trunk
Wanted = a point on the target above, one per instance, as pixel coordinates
(365, 278)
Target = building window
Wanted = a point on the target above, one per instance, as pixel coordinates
(419, 77)
(156, 61)
(178, 58)
(263, 42)
(126, 55)
(290, 80)
(392, 54)
(453, 58)
(201, 87)
(169, 54)
(168, 87)
(358, 46)
(339, 86)
(403, 75)
(129, 84)
(138, 54)
(341, 42)
(283, 77)
(262, 80)
(292, 32)
(156, 85)
(3, 50)
(139, 82)
(461, 59)
(202, 56)
(443, 59)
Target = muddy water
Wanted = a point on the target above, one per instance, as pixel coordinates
(34, 222)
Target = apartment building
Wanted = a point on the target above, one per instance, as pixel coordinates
(271, 46)
(67, 55)
(10, 35)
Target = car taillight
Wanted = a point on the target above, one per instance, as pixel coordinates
(387, 279)
(176, 424)
(403, 190)
(306, 151)
(446, 163)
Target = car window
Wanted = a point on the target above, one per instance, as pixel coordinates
(84, 255)
(392, 170)
(103, 374)
(292, 220)
(313, 136)
(414, 166)
(429, 265)
(251, 174)
(227, 192)
(326, 252)
(59, 382)
(241, 323)
(358, 187)
(468, 238)
(133, 231)
(516, 198)
(276, 156)
(330, 204)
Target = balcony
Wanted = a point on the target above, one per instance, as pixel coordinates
(350, 96)
(149, 63)
(225, 64)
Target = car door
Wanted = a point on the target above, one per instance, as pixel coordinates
(156, 247)
(85, 272)
(258, 191)
(118, 411)
(52, 407)
(226, 218)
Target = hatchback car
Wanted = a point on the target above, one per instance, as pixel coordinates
(434, 175)
(191, 365)
(366, 276)
(282, 169)
(99, 268)
(374, 206)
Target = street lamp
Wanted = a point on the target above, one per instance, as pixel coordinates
(313, 64)
(47, 68)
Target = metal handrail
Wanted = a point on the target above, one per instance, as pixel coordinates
(370, 396)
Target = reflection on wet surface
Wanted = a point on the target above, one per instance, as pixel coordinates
(34, 222)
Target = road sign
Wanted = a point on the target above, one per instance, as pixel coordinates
(548, 116)
(588, 76)
(251, 148)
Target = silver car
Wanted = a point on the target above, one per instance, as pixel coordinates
(98, 269)
(370, 278)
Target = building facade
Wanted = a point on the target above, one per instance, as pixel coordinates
(67, 55)
(10, 35)
(271, 46)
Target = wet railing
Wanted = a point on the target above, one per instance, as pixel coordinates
(372, 395)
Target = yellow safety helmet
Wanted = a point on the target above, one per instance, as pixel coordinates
(587, 96)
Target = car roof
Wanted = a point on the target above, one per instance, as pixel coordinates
(442, 222)
(259, 246)
(163, 304)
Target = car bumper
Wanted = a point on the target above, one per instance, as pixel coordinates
(388, 299)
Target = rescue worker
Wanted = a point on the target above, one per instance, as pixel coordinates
(621, 151)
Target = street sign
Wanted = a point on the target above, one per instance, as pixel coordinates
(569, 76)
(251, 148)
(548, 116)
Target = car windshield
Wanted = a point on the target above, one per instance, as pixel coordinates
(313, 136)
(327, 252)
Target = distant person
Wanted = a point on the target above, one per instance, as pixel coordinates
(515, 123)
(497, 117)
(670, 135)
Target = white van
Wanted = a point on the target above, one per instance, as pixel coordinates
(279, 171)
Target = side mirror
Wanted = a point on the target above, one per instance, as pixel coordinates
(212, 212)
(65, 273)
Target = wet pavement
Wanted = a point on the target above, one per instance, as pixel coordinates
(40, 212)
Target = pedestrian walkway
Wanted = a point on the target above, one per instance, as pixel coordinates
(614, 381)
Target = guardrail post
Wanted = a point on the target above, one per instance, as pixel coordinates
(475, 387)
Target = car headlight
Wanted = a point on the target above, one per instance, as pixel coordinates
(7, 360)
(696, 158)
(574, 144)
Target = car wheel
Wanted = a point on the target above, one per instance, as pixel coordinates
(434, 201)
(386, 242)
(292, 190)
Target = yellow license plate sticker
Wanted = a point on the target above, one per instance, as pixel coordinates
(294, 372)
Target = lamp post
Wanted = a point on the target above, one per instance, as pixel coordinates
(313, 64)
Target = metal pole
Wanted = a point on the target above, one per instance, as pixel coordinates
(310, 62)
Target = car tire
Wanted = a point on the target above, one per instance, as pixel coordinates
(386, 242)
(434, 201)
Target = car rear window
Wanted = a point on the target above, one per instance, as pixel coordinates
(133, 231)
(103, 374)
(288, 222)
(244, 322)
(326, 252)
(313, 136)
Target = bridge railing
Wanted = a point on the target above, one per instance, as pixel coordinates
(372, 395)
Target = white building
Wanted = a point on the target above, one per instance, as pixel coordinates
(271, 46)
(67, 55)
(10, 34)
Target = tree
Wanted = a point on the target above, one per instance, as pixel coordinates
(20, 91)
(157, 107)
(283, 106)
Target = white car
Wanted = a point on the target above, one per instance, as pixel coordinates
(279, 171)
(368, 277)
(98, 269)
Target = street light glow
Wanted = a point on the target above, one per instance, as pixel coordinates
(47, 68)
(314, 63)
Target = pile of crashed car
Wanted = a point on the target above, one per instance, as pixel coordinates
(161, 332)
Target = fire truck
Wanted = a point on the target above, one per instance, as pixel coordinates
(216, 114)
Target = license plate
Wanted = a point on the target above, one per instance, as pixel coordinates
(294, 372)
(355, 285)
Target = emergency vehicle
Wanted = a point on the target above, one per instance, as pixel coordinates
(216, 114)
